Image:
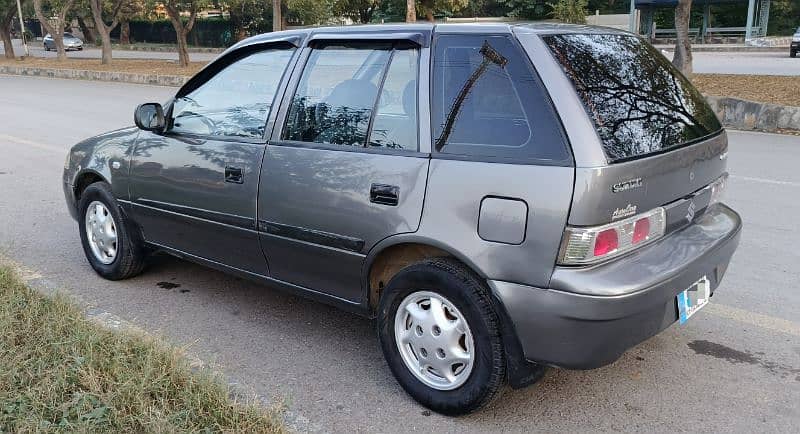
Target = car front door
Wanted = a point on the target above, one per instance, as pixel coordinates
(345, 170)
(194, 187)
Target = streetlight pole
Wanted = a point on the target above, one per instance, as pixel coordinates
(631, 17)
(22, 28)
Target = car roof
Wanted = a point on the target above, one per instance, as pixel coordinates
(430, 28)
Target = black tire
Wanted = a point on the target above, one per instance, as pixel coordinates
(130, 253)
(793, 54)
(470, 295)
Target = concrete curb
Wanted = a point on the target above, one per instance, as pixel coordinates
(80, 74)
(747, 115)
(169, 49)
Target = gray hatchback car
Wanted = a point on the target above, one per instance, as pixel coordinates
(500, 197)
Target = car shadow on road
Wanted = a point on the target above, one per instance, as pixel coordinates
(327, 362)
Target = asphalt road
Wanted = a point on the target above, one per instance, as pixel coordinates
(734, 367)
(762, 63)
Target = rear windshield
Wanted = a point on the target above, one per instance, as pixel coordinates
(639, 103)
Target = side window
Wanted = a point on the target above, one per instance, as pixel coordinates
(338, 91)
(236, 101)
(488, 102)
(395, 124)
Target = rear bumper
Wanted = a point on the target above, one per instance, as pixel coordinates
(561, 327)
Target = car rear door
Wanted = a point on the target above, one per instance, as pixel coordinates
(344, 168)
(194, 187)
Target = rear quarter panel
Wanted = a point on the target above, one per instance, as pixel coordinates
(452, 207)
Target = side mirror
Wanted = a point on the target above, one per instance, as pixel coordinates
(150, 117)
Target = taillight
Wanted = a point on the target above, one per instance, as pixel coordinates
(717, 189)
(606, 242)
(641, 230)
(586, 245)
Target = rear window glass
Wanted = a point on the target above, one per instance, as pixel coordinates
(487, 102)
(638, 101)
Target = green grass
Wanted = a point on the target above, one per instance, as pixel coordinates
(60, 372)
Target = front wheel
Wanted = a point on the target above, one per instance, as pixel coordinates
(441, 336)
(793, 54)
(111, 243)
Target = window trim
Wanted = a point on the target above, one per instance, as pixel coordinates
(211, 71)
(569, 161)
(275, 139)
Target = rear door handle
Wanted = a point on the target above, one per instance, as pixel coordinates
(234, 175)
(384, 194)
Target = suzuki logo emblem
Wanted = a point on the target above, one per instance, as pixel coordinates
(690, 212)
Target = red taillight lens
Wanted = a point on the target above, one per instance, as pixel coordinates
(641, 230)
(606, 242)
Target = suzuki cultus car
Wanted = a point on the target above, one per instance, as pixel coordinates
(500, 197)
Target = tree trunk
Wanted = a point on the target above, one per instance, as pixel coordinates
(5, 30)
(125, 32)
(411, 11)
(277, 20)
(181, 30)
(104, 30)
(429, 15)
(183, 50)
(88, 33)
(56, 30)
(683, 46)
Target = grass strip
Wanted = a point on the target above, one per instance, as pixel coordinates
(61, 372)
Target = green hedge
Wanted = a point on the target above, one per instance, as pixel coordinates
(206, 33)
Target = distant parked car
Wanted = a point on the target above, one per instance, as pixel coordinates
(795, 47)
(71, 42)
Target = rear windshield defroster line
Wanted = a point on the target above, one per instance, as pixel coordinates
(639, 103)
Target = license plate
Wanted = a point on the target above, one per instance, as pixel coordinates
(693, 298)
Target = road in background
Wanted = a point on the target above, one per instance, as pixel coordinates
(762, 63)
(734, 367)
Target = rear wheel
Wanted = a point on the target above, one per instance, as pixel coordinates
(441, 336)
(111, 243)
(793, 54)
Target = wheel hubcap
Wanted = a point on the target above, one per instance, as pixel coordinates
(101, 232)
(434, 340)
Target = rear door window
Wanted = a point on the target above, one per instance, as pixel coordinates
(488, 102)
(639, 102)
(344, 84)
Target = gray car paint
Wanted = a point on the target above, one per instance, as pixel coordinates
(448, 218)
(181, 199)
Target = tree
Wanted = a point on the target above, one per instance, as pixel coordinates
(247, 16)
(428, 7)
(683, 47)
(8, 10)
(111, 9)
(411, 11)
(306, 12)
(58, 9)
(526, 9)
(569, 11)
(277, 21)
(129, 10)
(359, 10)
(174, 9)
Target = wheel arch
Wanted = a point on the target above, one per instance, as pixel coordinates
(83, 179)
(395, 253)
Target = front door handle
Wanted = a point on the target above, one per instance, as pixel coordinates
(384, 194)
(234, 175)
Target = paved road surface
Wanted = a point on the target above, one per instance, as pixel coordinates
(734, 367)
(765, 63)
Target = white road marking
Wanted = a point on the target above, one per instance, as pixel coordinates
(766, 181)
(753, 319)
(26, 142)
